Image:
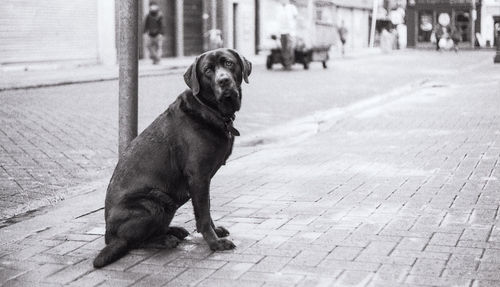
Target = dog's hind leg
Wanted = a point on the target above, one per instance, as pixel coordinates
(170, 207)
(129, 233)
(130, 226)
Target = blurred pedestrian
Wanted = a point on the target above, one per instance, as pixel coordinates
(287, 19)
(386, 39)
(456, 36)
(342, 30)
(153, 26)
(438, 34)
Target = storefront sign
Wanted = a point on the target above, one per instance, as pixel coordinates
(449, 2)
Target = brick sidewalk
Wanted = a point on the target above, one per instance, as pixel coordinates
(402, 192)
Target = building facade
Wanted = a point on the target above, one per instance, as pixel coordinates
(86, 31)
(354, 14)
(187, 24)
(81, 31)
(423, 15)
(490, 14)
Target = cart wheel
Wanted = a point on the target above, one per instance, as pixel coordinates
(325, 65)
(269, 63)
(306, 65)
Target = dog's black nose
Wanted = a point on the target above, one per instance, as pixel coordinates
(223, 81)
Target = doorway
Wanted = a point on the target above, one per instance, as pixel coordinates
(496, 29)
(462, 23)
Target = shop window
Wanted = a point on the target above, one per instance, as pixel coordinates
(425, 25)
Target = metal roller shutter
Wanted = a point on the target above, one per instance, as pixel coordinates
(48, 30)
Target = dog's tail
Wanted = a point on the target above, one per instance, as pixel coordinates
(112, 252)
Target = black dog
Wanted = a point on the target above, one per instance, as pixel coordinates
(174, 159)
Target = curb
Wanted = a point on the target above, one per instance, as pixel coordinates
(83, 80)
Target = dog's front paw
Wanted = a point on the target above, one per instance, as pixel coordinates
(178, 232)
(221, 231)
(222, 244)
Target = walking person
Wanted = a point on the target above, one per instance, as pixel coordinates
(456, 36)
(342, 30)
(438, 34)
(287, 19)
(153, 26)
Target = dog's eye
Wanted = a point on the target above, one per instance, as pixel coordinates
(229, 64)
(207, 70)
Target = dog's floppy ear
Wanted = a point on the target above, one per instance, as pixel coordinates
(190, 77)
(246, 66)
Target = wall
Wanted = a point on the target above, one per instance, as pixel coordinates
(245, 26)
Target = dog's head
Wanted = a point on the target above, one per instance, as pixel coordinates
(216, 76)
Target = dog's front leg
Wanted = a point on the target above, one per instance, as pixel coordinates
(200, 195)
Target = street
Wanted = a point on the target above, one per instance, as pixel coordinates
(379, 171)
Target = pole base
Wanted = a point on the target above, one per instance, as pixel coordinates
(497, 59)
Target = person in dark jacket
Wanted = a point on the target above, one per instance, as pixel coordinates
(153, 26)
(438, 33)
(456, 36)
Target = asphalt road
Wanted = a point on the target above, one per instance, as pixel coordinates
(55, 139)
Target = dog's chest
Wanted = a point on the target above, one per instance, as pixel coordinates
(228, 149)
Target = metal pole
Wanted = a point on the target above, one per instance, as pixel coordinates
(473, 25)
(128, 73)
(374, 22)
(213, 14)
(179, 28)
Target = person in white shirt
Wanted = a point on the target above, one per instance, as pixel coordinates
(287, 19)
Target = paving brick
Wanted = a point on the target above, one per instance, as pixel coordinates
(350, 265)
(437, 281)
(235, 257)
(272, 264)
(70, 273)
(65, 247)
(196, 263)
(355, 278)
(428, 267)
(7, 274)
(309, 258)
(26, 252)
(344, 253)
(444, 239)
(232, 270)
(228, 283)
(191, 276)
(159, 278)
(39, 273)
(414, 244)
(379, 248)
(396, 260)
(463, 262)
(476, 234)
(271, 277)
(485, 283)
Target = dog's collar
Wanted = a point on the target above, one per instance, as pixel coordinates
(230, 130)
